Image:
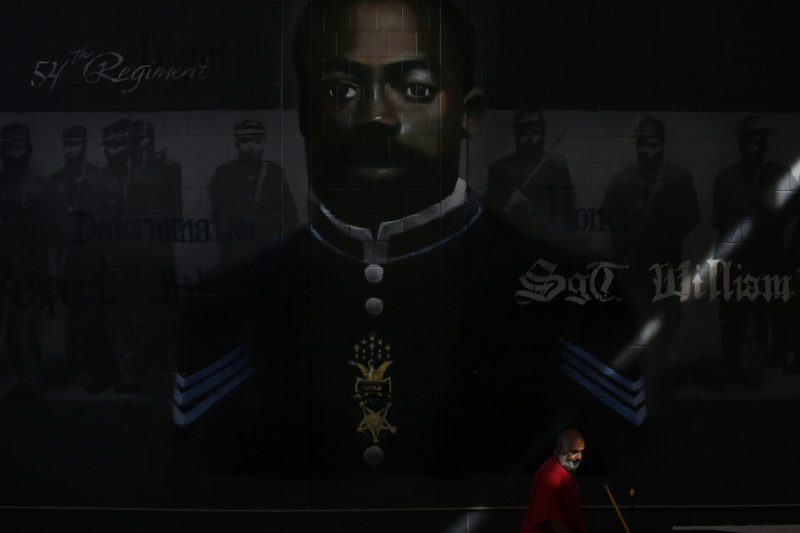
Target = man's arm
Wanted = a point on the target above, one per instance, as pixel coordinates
(557, 525)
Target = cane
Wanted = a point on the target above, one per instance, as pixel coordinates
(616, 508)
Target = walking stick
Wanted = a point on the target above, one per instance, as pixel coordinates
(616, 508)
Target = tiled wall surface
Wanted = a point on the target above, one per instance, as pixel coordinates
(185, 329)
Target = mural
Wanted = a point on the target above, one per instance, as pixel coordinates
(381, 276)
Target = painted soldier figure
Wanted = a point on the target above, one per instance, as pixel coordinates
(533, 185)
(753, 203)
(124, 243)
(24, 261)
(68, 180)
(247, 196)
(652, 206)
(376, 339)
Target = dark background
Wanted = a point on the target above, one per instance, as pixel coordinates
(71, 463)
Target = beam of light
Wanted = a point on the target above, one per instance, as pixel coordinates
(628, 355)
(467, 522)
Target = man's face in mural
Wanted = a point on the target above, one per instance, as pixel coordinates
(251, 147)
(386, 113)
(74, 150)
(117, 149)
(530, 137)
(15, 152)
(649, 151)
(753, 146)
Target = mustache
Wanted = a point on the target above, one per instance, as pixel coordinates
(366, 149)
(378, 149)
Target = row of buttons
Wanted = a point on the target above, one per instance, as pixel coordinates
(374, 274)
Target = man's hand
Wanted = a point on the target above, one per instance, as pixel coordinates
(558, 526)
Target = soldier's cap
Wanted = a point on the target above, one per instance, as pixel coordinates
(120, 128)
(752, 124)
(526, 120)
(249, 127)
(650, 127)
(74, 132)
(15, 132)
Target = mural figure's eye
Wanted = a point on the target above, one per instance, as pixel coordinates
(419, 92)
(343, 91)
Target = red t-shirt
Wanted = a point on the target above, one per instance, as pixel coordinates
(554, 494)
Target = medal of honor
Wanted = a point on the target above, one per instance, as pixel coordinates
(373, 394)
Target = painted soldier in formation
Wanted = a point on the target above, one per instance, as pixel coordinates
(123, 241)
(754, 202)
(62, 191)
(532, 185)
(153, 194)
(247, 196)
(652, 206)
(23, 260)
(68, 180)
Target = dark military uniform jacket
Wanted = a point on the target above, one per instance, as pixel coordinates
(424, 350)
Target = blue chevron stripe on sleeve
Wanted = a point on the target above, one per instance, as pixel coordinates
(187, 381)
(623, 396)
(193, 395)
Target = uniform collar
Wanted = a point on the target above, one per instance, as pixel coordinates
(400, 238)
